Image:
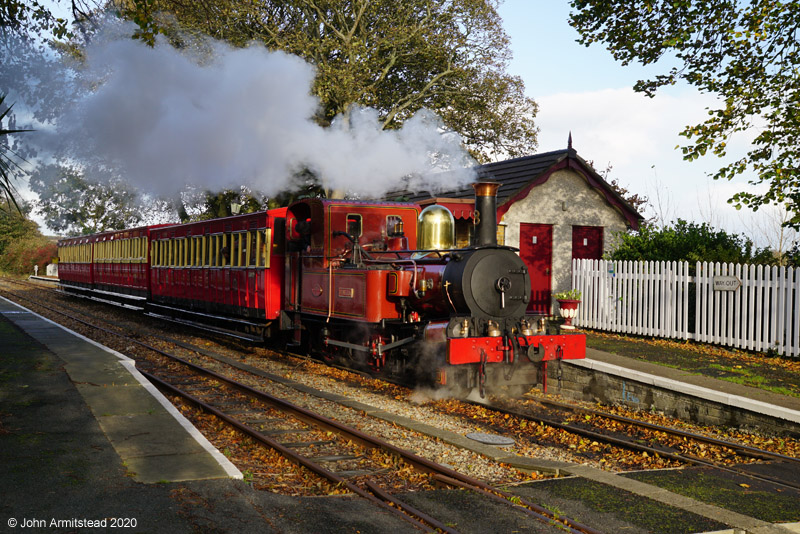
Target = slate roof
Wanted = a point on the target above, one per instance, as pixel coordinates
(516, 174)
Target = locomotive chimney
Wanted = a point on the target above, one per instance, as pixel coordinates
(485, 213)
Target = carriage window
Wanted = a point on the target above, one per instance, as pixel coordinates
(263, 245)
(234, 254)
(354, 224)
(252, 239)
(225, 251)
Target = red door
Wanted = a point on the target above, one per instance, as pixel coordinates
(536, 250)
(587, 242)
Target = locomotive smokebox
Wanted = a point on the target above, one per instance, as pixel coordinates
(485, 213)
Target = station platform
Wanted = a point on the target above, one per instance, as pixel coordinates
(699, 385)
(155, 442)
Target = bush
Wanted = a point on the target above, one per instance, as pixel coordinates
(692, 242)
(20, 256)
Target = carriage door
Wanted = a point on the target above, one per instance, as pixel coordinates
(536, 250)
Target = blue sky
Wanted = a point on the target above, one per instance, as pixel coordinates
(585, 91)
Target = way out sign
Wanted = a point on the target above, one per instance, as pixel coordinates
(726, 283)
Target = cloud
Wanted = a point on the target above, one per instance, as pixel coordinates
(637, 136)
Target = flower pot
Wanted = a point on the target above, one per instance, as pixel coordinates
(568, 309)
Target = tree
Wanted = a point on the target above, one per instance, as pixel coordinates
(747, 53)
(76, 206)
(396, 57)
(15, 225)
(692, 242)
(21, 244)
(637, 201)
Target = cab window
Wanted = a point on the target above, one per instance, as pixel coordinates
(354, 224)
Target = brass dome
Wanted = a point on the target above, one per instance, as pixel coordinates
(436, 228)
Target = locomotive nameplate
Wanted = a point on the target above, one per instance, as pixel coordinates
(346, 292)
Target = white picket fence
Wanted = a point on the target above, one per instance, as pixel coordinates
(655, 299)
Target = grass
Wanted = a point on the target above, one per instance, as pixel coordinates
(760, 370)
(645, 513)
(731, 492)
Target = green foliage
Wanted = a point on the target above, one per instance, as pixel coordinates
(747, 53)
(692, 242)
(34, 17)
(76, 206)
(449, 56)
(20, 257)
(21, 244)
(572, 294)
(15, 226)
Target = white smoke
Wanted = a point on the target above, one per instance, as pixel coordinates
(163, 119)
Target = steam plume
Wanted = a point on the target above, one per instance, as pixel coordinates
(163, 119)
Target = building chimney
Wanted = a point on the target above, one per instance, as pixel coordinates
(485, 214)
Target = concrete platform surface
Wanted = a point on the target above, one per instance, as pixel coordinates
(86, 447)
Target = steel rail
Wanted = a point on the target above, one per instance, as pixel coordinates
(291, 455)
(744, 450)
(687, 458)
(420, 463)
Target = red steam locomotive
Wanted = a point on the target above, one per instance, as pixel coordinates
(376, 286)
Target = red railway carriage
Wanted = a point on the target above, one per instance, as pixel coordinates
(112, 265)
(222, 268)
(122, 261)
(75, 261)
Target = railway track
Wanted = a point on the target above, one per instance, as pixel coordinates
(318, 444)
(630, 434)
(637, 442)
(573, 419)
